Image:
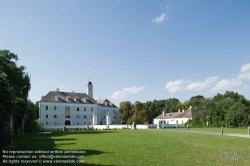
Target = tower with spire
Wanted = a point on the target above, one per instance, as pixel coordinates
(90, 89)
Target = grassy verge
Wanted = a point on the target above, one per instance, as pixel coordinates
(140, 147)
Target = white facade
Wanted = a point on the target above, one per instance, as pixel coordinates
(75, 109)
(173, 121)
(176, 118)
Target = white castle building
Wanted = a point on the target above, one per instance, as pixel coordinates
(76, 110)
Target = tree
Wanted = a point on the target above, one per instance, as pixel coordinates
(19, 83)
(125, 110)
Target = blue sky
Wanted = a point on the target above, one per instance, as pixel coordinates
(131, 50)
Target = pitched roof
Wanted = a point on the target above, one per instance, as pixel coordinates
(105, 103)
(72, 97)
(189, 113)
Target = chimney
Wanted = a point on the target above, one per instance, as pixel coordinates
(178, 110)
(183, 110)
(163, 113)
(57, 89)
(190, 107)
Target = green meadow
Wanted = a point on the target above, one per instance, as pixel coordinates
(139, 147)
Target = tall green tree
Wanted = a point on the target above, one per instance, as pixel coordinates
(19, 82)
(125, 110)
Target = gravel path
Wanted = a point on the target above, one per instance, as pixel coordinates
(212, 133)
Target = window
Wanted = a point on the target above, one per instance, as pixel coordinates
(84, 108)
(84, 122)
(67, 108)
(77, 123)
(104, 111)
(77, 108)
(47, 116)
(77, 116)
(114, 117)
(47, 123)
(91, 116)
(113, 122)
(55, 116)
(113, 111)
(54, 107)
(85, 116)
(91, 108)
(67, 116)
(103, 116)
(54, 123)
(47, 107)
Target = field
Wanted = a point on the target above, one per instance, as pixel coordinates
(141, 147)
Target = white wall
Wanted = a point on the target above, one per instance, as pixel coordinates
(51, 121)
(172, 121)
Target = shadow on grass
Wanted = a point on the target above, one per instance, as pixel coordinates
(61, 133)
(44, 146)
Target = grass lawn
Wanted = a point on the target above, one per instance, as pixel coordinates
(226, 130)
(140, 147)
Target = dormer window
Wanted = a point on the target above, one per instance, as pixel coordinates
(59, 99)
(68, 98)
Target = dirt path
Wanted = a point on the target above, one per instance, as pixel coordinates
(211, 133)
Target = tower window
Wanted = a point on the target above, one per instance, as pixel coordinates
(47, 107)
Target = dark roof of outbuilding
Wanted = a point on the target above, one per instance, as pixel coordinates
(189, 113)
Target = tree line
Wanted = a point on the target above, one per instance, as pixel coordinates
(229, 110)
(15, 108)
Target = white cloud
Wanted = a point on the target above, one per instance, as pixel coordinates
(62, 87)
(226, 85)
(160, 18)
(245, 76)
(245, 67)
(245, 87)
(181, 85)
(199, 85)
(174, 86)
(126, 91)
(169, 7)
(245, 72)
(133, 89)
(118, 95)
